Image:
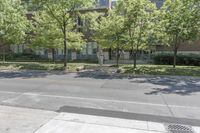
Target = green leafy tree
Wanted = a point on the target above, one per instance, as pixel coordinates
(65, 13)
(138, 16)
(181, 22)
(155, 32)
(47, 35)
(13, 23)
(108, 33)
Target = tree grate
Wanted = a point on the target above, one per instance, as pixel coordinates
(178, 128)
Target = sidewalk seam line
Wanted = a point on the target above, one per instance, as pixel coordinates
(167, 105)
(44, 124)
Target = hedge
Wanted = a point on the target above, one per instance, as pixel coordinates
(21, 57)
(28, 57)
(182, 59)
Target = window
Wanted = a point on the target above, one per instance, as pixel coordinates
(102, 3)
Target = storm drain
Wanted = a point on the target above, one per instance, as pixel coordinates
(177, 128)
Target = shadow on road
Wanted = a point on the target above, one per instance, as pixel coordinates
(161, 84)
(28, 74)
(39, 74)
(100, 75)
(172, 85)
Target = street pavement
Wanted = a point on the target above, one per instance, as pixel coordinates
(159, 99)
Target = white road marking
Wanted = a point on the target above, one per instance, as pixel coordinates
(99, 99)
(10, 92)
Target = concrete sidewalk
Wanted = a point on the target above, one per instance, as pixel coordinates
(23, 120)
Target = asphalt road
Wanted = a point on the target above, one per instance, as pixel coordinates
(155, 98)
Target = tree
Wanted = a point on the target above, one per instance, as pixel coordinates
(108, 32)
(48, 35)
(13, 23)
(138, 16)
(45, 33)
(65, 13)
(181, 22)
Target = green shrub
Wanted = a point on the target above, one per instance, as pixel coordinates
(182, 59)
(21, 57)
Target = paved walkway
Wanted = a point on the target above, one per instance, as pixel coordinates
(21, 120)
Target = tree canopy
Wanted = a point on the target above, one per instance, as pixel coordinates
(181, 22)
(131, 25)
(64, 14)
(138, 23)
(13, 22)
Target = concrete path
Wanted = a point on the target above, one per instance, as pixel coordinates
(157, 98)
(22, 120)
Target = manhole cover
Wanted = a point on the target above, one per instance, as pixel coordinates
(178, 128)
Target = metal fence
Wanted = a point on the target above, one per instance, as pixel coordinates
(141, 59)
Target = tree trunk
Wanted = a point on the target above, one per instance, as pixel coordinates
(117, 57)
(110, 53)
(65, 46)
(176, 45)
(65, 53)
(149, 55)
(175, 56)
(135, 59)
(4, 56)
(53, 55)
(134, 56)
